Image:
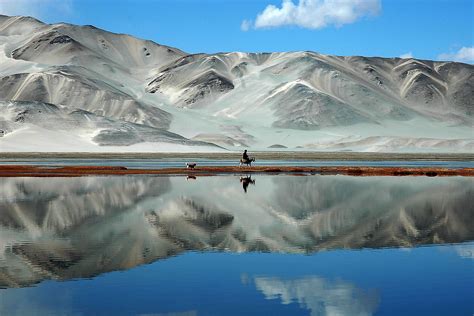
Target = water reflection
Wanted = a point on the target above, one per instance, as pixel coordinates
(246, 181)
(319, 295)
(67, 228)
(465, 251)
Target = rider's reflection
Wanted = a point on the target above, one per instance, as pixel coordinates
(246, 181)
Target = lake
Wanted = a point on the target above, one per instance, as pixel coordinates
(237, 245)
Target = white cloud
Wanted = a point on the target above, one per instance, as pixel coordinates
(465, 55)
(35, 8)
(407, 55)
(246, 25)
(316, 14)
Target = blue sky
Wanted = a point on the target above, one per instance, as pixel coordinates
(426, 29)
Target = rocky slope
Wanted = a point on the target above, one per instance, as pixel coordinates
(297, 99)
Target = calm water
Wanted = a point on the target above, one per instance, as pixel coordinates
(179, 163)
(231, 245)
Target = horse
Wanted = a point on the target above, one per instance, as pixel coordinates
(247, 162)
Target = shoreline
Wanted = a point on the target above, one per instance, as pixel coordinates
(79, 171)
(265, 155)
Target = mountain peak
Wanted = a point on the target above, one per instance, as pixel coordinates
(250, 97)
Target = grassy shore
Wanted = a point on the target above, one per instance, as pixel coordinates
(77, 171)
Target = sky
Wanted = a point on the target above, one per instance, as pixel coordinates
(424, 29)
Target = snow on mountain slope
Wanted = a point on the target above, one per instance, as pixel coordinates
(296, 99)
(82, 89)
(300, 106)
(386, 143)
(81, 128)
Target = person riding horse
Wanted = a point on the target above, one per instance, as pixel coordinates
(246, 159)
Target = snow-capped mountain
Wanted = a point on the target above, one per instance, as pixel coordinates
(295, 100)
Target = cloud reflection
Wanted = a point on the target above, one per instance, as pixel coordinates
(465, 251)
(320, 296)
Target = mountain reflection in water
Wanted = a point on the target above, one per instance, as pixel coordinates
(64, 228)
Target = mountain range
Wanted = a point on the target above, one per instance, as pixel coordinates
(79, 88)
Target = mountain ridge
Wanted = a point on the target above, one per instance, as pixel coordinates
(303, 95)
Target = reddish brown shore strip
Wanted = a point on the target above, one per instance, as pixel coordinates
(77, 171)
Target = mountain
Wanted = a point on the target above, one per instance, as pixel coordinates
(296, 99)
(67, 228)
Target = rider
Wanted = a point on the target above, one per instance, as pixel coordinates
(245, 157)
